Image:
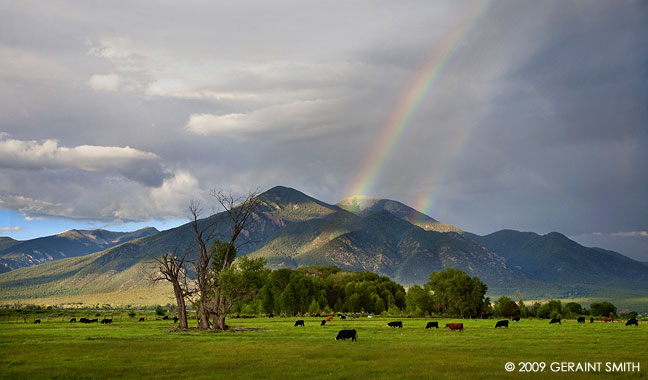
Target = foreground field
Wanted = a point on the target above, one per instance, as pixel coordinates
(127, 349)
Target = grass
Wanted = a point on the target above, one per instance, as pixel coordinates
(57, 349)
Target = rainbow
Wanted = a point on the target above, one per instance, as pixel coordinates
(419, 87)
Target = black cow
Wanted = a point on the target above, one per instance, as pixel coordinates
(72, 320)
(299, 323)
(141, 319)
(37, 321)
(591, 320)
(106, 321)
(165, 318)
(346, 334)
(323, 322)
(175, 319)
(342, 316)
(502, 323)
(318, 315)
(84, 320)
(580, 319)
(516, 319)
(632, 321)
(432, 324)
(94, 320)
(395, 324)
(555, 320)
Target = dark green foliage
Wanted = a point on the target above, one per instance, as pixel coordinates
(458, 294)
(573, 309)
(159, 310)
(603, 309)
(506, 307)
(313, 289)
(551, 309)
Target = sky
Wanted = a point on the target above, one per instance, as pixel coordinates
(483, 114)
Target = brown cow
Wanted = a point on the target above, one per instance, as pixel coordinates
(329, 318)
(455, 326)
(608, 319)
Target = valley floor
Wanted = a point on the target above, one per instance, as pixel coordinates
(56, 348)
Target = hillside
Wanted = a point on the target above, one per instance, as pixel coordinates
(72, 243)
(291, 229)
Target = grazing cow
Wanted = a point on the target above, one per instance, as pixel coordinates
(339, 315)
(395, 324)
(342, 316)
(346, 334)
(455, 326)
(581, 320)
(175, 319)
(608, 319)
(37, 321)
(502, 323)
(271, 316)
(329, 318)
(555, 320)
(106, 321)
(323, 323)
(299, 323)
(516, 319)
(73, 320)
(632, 321)
(591, 320)
(94, 320)
(432, 324)
(141, 319)
(84, 320)
(165, 318)
(318, 315)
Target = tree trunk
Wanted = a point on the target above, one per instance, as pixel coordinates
(182, 307)
(219, 317)
(203, 310)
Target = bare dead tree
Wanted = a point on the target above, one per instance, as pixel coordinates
(239, 211)
(204, 232)
(171, 268)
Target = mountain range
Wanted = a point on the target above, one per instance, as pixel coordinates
(291, 229)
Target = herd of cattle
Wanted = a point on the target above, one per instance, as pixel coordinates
(353, 335)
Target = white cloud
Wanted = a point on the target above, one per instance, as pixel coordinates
(297, 120)
(113, 82)
(10, 228)
(631, 234)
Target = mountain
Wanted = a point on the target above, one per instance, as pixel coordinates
(363, 205)
(554, 258)
(292, 229)
(70, 243)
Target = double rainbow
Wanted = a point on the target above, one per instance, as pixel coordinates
(422, 83)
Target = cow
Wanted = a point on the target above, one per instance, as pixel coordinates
(591, 320)
(175, 319)
(94, 320)
(84, 320)
(455, 326)
(299, 323)
(342, 316)
(502, 323)
(141, 319)
(318, 315)
(581, 320)
(632, 321)
(432, 324)
(106, 321)
(555, 320)
(608, 319)
(37, 321)
(329, 318)
(271, 316)
(323, 322)
(339, 315)
(516, 319)
(395, 324)
(165, 318)
(346, 334)
(73, 320)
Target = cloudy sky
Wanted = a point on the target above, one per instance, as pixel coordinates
(519, 114)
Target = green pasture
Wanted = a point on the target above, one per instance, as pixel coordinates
(127, 349)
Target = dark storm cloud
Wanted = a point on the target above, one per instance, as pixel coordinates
(537, 122)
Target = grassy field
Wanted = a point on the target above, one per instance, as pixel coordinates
(57, 349)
